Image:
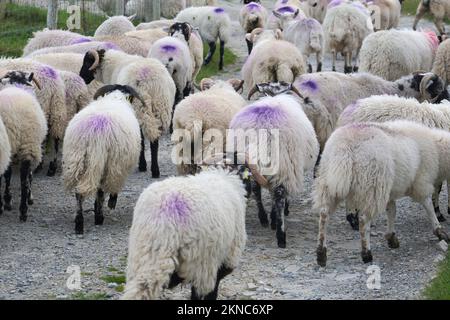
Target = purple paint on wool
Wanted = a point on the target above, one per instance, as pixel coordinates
(175, 207)
(168, 48)
(219, 10)
(261, 116)
(309, 85)
(253, 6)
(110, 45)
(349, 110)
(143, 73)
(95, 124)
(360, 125)
(80, 40)
(286, 9)
(284, 1)
(48, 72)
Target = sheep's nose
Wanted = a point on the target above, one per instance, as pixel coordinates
(315, 4)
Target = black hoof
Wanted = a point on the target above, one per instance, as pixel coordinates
(79, 230)
(355, 69)
(321, 256)
(310, 68)
(281, 244)
(143, 167)
(220, 67)
(79, 225)
(441, 218)
(264, 223)
(112, 202)
(99, 220)
(333, 69)
(392, 240)
(286, 212)
(23, 218)
(51, 171)
(348, 69)
(354, 221)
(319, 67)
(155, 174)
(38, 168)
(366, 256)
(273, 225)
(30, 202)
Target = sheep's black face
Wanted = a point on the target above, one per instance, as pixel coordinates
(181, 27)
(17, 77)
(435, 86)
(88, 61)
(248, 1)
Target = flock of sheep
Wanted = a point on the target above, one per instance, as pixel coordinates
(371, 137)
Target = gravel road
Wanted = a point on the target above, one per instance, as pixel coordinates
(35, 255)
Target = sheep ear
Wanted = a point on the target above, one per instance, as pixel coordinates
(296, 13)
(277, 14)
(237, 84)
(131, 18)
(206, 84)
(279, 34)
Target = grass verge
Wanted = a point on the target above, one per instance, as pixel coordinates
(439, 288)
(213, 67)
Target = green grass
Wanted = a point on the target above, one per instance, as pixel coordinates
(21, 21)
(439, 288)
(213, 67)
(89, 296)
(116, 278)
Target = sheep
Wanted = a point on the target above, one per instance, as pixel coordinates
(101, 146)
(386, 13)
(388, 108)
(370, 165)
(175, 55)
(252, 15)
(272, 59)
(327, 94)
(212, 108)
(296, 152)
(317, 9)
(184, 31)
(52, 99)
(150, 79)
(186, 229)
(282, 7)
(345, 27)
(115, 26)
(80, 48)
(392, 54)
(442, 60)
(26, 128)
(53, 38)
(128, 44)
(157, 24)
(306, 34)
(169, 8)
(148, 35)
(76, 91)
(439, 9)
(213, 23)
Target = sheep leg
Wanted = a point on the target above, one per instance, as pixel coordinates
(356, 65)
(437, 228)
(347, 63)
(421, 10)
(322, 241)
(79, 220)
(439, 23)
(222, 53)
(435, 198)
(212, 50)
(187, 90)
(154, 154)
(353, 218)
(30, 194)
(273, 217)
(261, 212)
(53, 164)
(334, 55)
(364, 231)
(142, 161)
(319, 61)
(249, 46)
(286, 208)
(25, 169)
(280, 202)
(221, 273)
(316, 166)
(98, 207)
(448, 198)
(7, 195)
(112, 202)
(1, 199)
(390, 234)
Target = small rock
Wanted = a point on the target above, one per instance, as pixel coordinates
(292, 268)
(442, 245)
(112, 285)
(251, 286)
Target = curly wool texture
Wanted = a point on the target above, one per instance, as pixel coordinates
(114, 26)
(298, 146)
(392, 54)
(213, 22)
(25, 124)
(151, 80)
(329, 93)
(101, 146)
(130, 45)
(189, 225)
(388, 13)
(441, 65)
(76, 91)
(53, 38)
(252, 16)
(175, 55)
(52, 97)
(81, 48)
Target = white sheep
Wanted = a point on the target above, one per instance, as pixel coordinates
(52, 99)
(439, 9)
(392, 54)
(26, 128)
(156, 24)
(441, 64)
(213, 23)
(80, 48)
(76, 91)
(371, 165)
(345, 27)
(317, 9)
(211, 109)
(386, 13)
(186, 229)
(296, 7)
(252, 15)
(293, 151)
(272, 59)
(128, 44)
(115, 26)
(153, 83)
(101, 147)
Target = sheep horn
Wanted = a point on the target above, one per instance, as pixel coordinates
(423, 88)
(252, 92)
(241, 85)
(257, 176)
(36, 82)
(295, 90)
(96, 61)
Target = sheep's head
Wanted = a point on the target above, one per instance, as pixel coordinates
(208, 83)
(250, 1)
(91, 62)
(129, 93)
(285, 15)
(428, 85)
(273, 89)
(183, 29)
(19, 77)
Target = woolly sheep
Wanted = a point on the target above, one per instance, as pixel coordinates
(386, 14)
(115, 26)
(327, 94)
(128, 44)
(80, 48)
(345, 27)
(442, 61)
(252, 15)
(297, 151)
(275, 17)
(186, 229)
(153, 83)
(175, 55)
(370, 165)
(76, 91)
(101, 147)
(392, 54)
(26, 128)
(388, 108)
(212, 108)
(156, 24)
(439, 9)
(213, 23)
(53, 38)
(52, 99)
(272, 59)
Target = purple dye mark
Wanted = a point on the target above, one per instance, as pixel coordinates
(175, 207)
(350, 110)
(110, 45)
(286, 9)
(284, 1)
(95, 124)
(168, 48)
(219, 10)
(309, 85)
(253, 6)
(48, 72)
(80, 40)
(260, 116)
(143, 74)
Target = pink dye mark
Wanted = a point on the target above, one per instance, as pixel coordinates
(432, 38)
